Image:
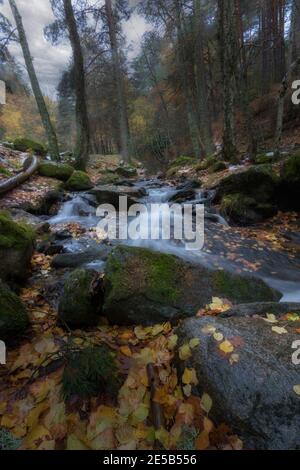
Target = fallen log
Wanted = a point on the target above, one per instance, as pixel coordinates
(29, 167)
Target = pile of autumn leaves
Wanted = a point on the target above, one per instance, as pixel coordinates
(33, 409)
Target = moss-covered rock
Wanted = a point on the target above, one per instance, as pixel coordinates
(244, 210)
(59, 171)
(81, 302)
(258, 182)
(24, 145)
(217, 167)
(183, 161)
(126, 171)
(146, 287)
(289, 188)
(250, 196)
(79, 181)
(13, 316)
(264, 159)
(89, 373)
(16, 248)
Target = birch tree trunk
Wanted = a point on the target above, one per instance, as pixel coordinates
(49, 129)
(121, 98)
(82, 121)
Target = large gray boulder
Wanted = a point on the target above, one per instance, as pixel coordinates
(245, 365)
(146, 287)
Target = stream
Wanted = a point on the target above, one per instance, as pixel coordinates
(224, 247)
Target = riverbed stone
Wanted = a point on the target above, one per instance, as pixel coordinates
(110, 194)
(146, 287)
(13, 316)
(246, 368)
(74, 260)
(16, 249)
(81, 302)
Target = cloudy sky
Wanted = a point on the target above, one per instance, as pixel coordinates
(50, 60)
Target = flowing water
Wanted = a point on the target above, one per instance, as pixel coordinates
(275, 267)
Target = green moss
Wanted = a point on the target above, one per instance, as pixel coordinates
(217, 167)
(241, 290)
(80, 305)
(236, 204)
(12, 235)
(4, 171)
(13, 316)
(258, 182)
(263, 159)
(156, 274)
(79, 181)
(24, 145)
(126, 172)
(183, 161)
(89, 373)
(291, 169)
(60, 171)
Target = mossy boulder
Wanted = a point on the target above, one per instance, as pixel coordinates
(59, 171)
(244, 210)
(89, 373)
(16, 248)
(217, 167)
(79, 181)
(146, 287)
(264, 159)
(289, 188)
(250, 196)
(24, 145)
(183, 161)
(13, 316)
(81, 302)
(127, 171)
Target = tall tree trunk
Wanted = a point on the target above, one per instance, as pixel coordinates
(198, 146)
(201, 80)
(121, 97)
(229, 56)
(49, 129)
(291, 67)
(244, 86)
(82, 121)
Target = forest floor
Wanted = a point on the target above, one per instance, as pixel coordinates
(31, 403)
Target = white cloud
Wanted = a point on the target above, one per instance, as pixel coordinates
(49, 61)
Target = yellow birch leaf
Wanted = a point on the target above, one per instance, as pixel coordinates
(226, 347)
(297, 389)
(279, 330)
(194, 343)
(185, 352)
(202, 441)
(206, 403)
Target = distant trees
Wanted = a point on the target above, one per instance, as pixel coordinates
(49, 129)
